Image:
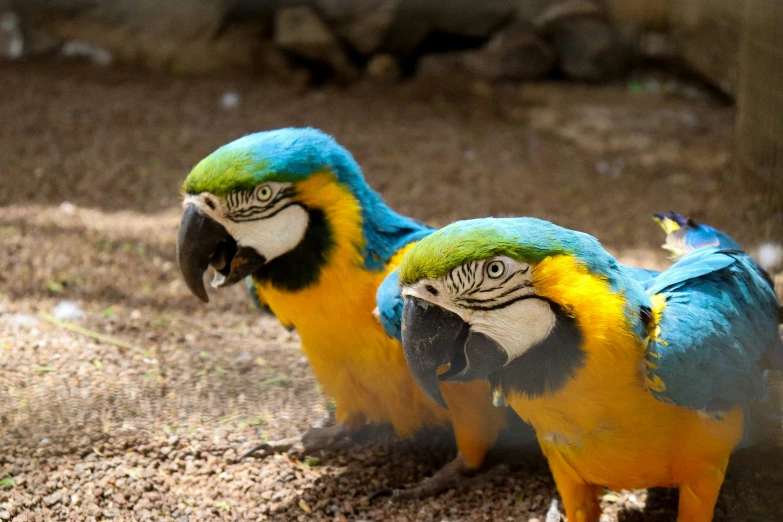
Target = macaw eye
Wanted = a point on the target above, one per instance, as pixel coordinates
(496, 269)
(263, 193)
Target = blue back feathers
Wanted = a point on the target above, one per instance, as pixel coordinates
(640, 275)
(718, 331)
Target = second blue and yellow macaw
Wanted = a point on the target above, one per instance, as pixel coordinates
(290, 210)
(628, 384)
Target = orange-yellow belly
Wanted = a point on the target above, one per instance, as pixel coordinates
(631, 440)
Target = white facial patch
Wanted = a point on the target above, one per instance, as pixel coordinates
(500, 304)
(516, 327)
(269, 224)
(273, 236)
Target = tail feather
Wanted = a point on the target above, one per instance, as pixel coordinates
(684, 235)
(670, 221)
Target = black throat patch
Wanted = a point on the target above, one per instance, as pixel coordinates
(547, 366)
(302, 266)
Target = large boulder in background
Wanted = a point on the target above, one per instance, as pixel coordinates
(181, 37)
(499, 39)
(590, 49)
(361, 23)
(572, 34)
(516, 52)
(300, 31)
(588, 46)
(415, 20)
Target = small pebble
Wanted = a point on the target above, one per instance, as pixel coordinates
(68, 311)
(230, 100)
(53, 499)
(24, 320)
(770, 256)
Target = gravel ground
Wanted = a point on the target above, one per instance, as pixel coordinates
(138, 410)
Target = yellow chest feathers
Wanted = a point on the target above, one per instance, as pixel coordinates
(613, 355)
(334, 316)
(604, 422)
(353, 358)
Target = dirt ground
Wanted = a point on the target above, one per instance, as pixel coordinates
(141, 413)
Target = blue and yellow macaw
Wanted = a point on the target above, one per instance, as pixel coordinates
(627, 384)
(290, 210)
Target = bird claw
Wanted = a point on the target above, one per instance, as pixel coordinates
(275, 446)
(454, 475)
(331, 437)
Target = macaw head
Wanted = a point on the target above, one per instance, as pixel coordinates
(483, 295)
(275, 205)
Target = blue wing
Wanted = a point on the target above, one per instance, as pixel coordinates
(390, 302)
(716, 331)
(640, 275)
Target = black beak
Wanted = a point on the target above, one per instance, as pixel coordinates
(432, 336)
(202, 242)
(428, 336)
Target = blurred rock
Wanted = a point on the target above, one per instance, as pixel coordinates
(589, 48)
(81, 50)
(414, 21)
(68, 311)
(230, 100)
(275, 62)
(516, 52)
(362, 23)
(301, 32)
(11, 36)
(237, 46)
(657, 46)
(144, 31)
(383, 68)
(545, 12)
(648, 14)
(440, 64)
(770, 256)
(66, 207)
(182, 37)
(470, 18)
(23, 320)
(53, 499)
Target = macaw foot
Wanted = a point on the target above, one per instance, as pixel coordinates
(334, 437)
(454, 475)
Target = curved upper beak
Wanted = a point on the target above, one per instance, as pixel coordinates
(202, 242)
(433, 336)
(429, 334)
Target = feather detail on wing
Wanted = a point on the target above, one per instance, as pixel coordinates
(640, 275)
(714, 331)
